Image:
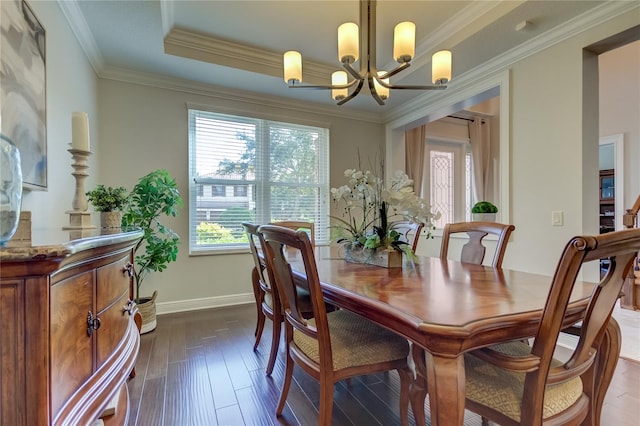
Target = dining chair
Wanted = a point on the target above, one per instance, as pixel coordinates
(297, 225)
(267, 303)
(409, 231)
(474, 250)
(333, 345)
(267, 299)
(519, 384)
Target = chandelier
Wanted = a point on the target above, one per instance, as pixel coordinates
(350, 46)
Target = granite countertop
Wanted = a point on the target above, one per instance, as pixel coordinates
(49, 243)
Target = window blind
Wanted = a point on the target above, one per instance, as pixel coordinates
(245, 169)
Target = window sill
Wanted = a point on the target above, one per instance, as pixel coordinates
(220, 251)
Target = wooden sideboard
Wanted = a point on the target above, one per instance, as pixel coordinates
(67, 336)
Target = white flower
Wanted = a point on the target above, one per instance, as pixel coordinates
(364, 197)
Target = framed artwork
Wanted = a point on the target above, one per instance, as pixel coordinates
(23, 115)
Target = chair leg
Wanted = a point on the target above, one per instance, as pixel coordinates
(326, 402)
(259, 328)
(275, 343)
(418, 392)
(288, 375)
(406, 376)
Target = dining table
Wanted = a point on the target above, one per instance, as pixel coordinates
(448, 308)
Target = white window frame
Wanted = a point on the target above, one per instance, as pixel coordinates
(261, 184)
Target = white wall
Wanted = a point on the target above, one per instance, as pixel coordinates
(71, 86)
(554, 149)
(620, 109)
(144, 128)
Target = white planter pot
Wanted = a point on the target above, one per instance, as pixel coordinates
(484, 217)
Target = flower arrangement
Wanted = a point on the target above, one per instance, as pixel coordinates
(370, 210)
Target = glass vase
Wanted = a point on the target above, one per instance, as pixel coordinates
(10, 189)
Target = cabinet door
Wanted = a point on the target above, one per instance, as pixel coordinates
(71, 344)
(13, 403)
(112, 299)
(113, 280)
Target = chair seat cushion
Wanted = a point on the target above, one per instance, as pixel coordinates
(502, 390)
(354, 341)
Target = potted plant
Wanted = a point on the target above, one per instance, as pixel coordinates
(155, 195)
(484, 211)
(109, 201)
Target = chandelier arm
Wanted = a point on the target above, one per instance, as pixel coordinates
(394, 71)
(355, 74)
(325, 87)
(354, 93)
(373, 91)
(400, 87)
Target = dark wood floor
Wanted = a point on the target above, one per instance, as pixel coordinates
(198, 368)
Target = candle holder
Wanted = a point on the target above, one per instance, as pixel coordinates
(79, 217)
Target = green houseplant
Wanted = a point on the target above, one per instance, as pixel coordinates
(109, 201)
(155, 196)
(484, 211)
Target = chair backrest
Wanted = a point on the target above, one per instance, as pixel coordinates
(274, 240)
(296, 225)
(410, 232)
(474, 250)
(621, 247)
(259, 265)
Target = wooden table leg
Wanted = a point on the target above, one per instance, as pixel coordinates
(445, 383)
(418, 391)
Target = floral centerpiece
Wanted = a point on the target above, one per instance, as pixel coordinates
(370, 210)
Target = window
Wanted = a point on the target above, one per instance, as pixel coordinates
(218, 191)
(449, 181)
(240, 191)
(278, 171)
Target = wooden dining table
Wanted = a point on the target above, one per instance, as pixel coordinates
(449, 308)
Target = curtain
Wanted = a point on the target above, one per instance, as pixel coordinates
(479, 136)
(414, 155)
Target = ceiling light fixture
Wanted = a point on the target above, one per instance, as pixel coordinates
(353, 47)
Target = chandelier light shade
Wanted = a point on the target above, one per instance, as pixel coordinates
(359, 45)
(348, 42)
(380, 89)
(292, 67)
(441, 67)
(404, 42)
(339, 78)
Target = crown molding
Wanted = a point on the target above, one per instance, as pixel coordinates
(464, 23)
(577, 25)
(80, 28)
(167, 15)
(231, 95)
(192, 45)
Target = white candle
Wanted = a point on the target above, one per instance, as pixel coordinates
(80, 131)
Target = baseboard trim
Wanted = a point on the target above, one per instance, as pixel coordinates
(568, 341)
(204, 303)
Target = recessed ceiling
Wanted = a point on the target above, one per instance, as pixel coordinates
(130, 36)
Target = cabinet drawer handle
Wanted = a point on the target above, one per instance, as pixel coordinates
(128, 269)
(129, 307)
(93, 323)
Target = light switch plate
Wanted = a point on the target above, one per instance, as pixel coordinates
(557, 218)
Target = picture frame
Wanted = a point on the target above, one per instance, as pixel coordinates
(23, 89)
